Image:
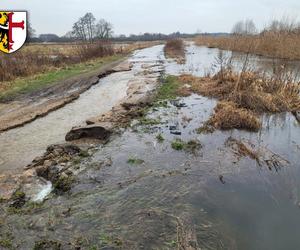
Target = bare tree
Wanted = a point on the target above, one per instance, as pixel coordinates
(104, 29)
(88, 21)
(250, 28)
(78, 30)
(246, 27)
(238, 28)
(86, 29)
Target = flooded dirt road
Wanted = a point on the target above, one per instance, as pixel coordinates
(19, 146)
(139, 192)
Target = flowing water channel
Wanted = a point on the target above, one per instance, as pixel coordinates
(211, 195)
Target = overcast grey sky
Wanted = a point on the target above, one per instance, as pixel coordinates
(166, 16)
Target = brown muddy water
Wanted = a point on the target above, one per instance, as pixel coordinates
(138, 193)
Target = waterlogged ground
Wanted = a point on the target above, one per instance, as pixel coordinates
(145, 189)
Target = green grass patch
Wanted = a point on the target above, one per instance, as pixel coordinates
(178, 144)
(149, 121)
(135, 161)
(51, 77)
(168, 89)
(191, 146)
(160, 138)
(6, 243)
(110, 241)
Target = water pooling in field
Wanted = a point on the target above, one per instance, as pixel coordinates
(19, 146)
(206, 195)
(201, 60)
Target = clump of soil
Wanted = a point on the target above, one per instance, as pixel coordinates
(175, 49)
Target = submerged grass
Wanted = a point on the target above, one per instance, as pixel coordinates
(160, 138)
(135, 161)
(191, 146)
(178, 144)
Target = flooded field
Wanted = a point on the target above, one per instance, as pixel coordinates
(201, 60)
(160, 184)
(19, 146)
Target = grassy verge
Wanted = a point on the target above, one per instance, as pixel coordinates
(51, 77)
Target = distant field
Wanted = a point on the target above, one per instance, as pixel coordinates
(39, 65)
(282, 45)
(71, 48)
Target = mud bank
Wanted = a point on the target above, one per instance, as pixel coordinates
(29, 107)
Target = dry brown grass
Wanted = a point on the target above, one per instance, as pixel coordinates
(254, 92)
(38, 58)
(175, 49)
(242, 97)
(33, 60)
(285, 45)
(228, 116)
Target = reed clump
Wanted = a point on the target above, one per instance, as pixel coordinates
(249, 90)
(279, 39)
(228, 116)
(175, 49)
(243, 97)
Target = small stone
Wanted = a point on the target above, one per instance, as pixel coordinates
(175, 132)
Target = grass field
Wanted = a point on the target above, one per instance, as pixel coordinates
(38, 81)
(41, 65)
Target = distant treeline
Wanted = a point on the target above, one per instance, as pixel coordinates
(52, 38)
(89, 29)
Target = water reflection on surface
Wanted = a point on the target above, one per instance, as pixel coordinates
(201, 60)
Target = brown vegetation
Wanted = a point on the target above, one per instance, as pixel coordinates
(32, 61)
(249, 90)
(175, 49)
(244, 95)
(228, 116)
(281, 39)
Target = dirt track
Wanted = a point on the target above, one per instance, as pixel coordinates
(28, 107)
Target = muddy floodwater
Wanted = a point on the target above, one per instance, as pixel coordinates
(138, 192)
